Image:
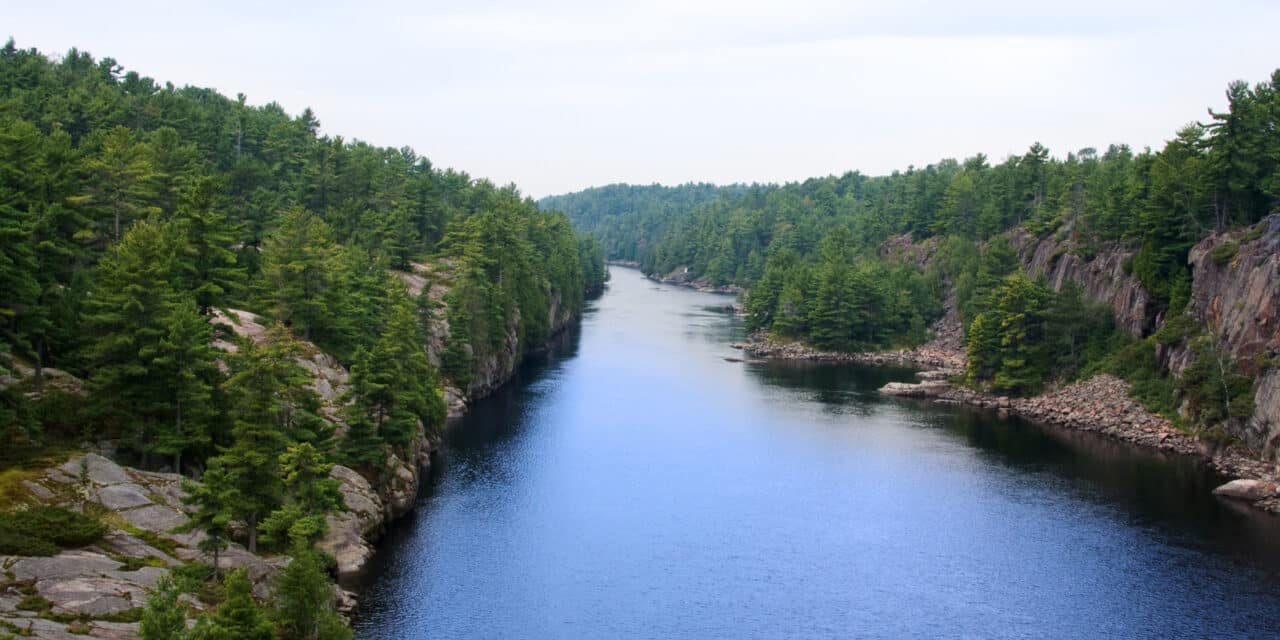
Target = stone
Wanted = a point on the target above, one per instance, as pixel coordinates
(121, 543)
(39, 491)
(92, 596)
(119, 497)
(157, 518)
(1248, 489)
(98, 469)
(113, 630)
(68, 564)
(344, 601)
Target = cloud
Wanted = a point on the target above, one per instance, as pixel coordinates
(559, 96)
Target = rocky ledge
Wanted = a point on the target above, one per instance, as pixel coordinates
(100, 588)
(1102, 405)
(760, 345)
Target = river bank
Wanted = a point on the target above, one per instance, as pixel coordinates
(1098, 405)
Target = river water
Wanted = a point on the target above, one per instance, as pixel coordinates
(633, 483)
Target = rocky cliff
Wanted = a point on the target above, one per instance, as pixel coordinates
(1102, 277)
(1235, 298)
(436, 279)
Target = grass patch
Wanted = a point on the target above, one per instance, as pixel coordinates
(12, 492)
(133, 564)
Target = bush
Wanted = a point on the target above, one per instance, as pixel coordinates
(1224, 253)
(41, 529)
(17, 544)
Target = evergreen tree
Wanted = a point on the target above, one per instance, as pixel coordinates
(132, 313)
(298, 258)
(1022, 305)
(214, 500)
(239, 617)
(122, 189)
(207, 257)
(305, 596)
(163, 617)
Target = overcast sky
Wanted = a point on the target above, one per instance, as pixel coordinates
(562, 96)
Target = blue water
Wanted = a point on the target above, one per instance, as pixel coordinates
(633, 483)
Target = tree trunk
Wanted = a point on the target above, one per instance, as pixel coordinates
(253, 532)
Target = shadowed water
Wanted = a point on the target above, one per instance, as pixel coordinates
(633, 483)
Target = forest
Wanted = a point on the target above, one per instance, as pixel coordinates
(812, 255)
(134, 213)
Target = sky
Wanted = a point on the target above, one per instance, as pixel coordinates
(561, 96)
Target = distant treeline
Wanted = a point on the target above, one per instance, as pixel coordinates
(809, 251)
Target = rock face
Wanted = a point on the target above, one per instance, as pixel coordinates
(1102, 278)
(329, 377)
(1236, 296)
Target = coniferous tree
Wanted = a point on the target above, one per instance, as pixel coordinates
(163, 617)
(239, 617)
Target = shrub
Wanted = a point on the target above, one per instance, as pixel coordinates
(1224, 253)
(16, 544)
(40, 530)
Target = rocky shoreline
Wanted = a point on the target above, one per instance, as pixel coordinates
(1098, 405)
(759, 345)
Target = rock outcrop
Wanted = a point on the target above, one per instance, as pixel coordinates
(1103, 277)
(1235, 297)
(681, 277)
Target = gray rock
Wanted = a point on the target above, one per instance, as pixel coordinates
(123, 496)
(157, 518)
(99, 470)
(121, 543)
(93, 596)
(47, 630)
(39, 491)
(1247, 489)
(114, 630)
(68, 564)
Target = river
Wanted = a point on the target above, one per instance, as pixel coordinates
(633, 483)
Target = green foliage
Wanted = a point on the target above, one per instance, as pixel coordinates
(164, 617)
(40, 530)
(214, 500)
(239, 617)
(304, 601)
(1224, 253)
(1135, 361)
(1214, 389)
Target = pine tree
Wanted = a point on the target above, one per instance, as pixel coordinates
(185, 358)
(163, 617)
(297, 262)
(309, 495)
(214, 499)
(208, 258)
(122, 189)
(128, 315)
(982, 348)
(238, 617)
(1022, 305)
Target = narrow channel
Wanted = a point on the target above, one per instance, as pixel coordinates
(636, 483)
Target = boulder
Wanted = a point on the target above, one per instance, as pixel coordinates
(96, 468)
(157, 518)
(1248, 489)
(119, 497)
